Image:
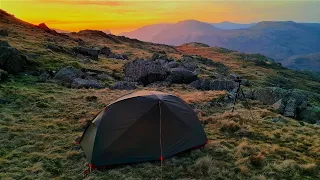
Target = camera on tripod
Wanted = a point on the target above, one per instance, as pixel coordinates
(236, 78)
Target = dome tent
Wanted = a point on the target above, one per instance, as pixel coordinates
(142, 126)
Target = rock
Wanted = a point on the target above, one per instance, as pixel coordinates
(207, 84)
(278, 106)
(104, 77)
(145, 72)
(124, 85)
(4, 32)
(57, 48)
(155, 56)
(310, 114)
(160, 55)
(66, 75)
(85, 83)
(81, 42)
(93, 53)
(181, 76)
(106, 51)
(172, 64)
(89, 73)
(290, 108)
(189, 63)
(162, 62)
(222, 85)
(118, 56)
(11, 60)
(288, 102)
(44, 76)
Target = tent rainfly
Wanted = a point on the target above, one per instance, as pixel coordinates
(142, 126)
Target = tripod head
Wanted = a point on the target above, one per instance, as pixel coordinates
(236, 78)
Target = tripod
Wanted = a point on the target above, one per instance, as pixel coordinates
(237, 93)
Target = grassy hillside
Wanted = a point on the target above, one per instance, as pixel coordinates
(40, 122)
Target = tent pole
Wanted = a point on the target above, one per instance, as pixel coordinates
(161, 157)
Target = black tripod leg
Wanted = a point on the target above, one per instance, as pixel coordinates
(235, 99)
(247, 103)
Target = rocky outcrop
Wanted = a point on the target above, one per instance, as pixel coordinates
(66, 75)
(118, 56)
(189, 63)
(11, 60)
(44, 76)
(290, 103)
(181, 76)
(85, 83)
(159, 55)
(93, 53)
(106, 51)
(208, 84)
(57, 48)
(171, 64)
(124, 85)
(145, 72)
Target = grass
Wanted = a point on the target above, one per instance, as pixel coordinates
(42, 121)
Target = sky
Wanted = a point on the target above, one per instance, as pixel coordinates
(121, 16)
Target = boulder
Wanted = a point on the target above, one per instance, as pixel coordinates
(44, 76)
(3, 75)
(162, 62)
(172, 64)
(11, 60)
(66, 75)
(93, 53)
(189, 63)
(104, 77)
(181, 76)
(124, 85)
(222, 85)
(85, 83)
(4, 32)
(118, 56)
(287, 102)
(160, 55)
(57, 48)
(145, 72)
(207, 84)
(106, 51)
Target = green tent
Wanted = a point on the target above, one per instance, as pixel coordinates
(142, 126)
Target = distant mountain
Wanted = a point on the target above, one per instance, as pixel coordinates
(145, 33)
(107, 31)
(304, 62)
(61, 31)
(229, 25)
(279, 40)
(183, 32)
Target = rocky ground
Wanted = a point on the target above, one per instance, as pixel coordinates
(53, 84)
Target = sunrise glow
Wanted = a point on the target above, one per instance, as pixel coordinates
(119, 16)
